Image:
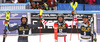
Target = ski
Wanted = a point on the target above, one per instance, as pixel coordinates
(75, 19)
(71, 28)
(93, 33)
(40, 16)
(55, 32)
(6, 25)
(74, 5)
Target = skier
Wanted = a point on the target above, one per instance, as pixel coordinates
(86, 29)
(62, 27)
(23, 29)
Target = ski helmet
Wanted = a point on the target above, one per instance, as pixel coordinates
(86, 16)
(24, 16)
(60, 15)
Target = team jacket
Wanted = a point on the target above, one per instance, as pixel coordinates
(85, 30)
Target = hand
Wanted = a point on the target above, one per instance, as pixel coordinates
(95, 38)
(5, 22)
(40, 19)
(4, 35)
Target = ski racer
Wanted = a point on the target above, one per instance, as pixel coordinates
(23, 29)
(86, 30)
(62, 27)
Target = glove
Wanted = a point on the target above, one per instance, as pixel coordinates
(40, 19)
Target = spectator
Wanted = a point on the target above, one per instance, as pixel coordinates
(68, 1)
(19, 1)
(44, 0)
(37, 5)
(90, 1)
(51, 4)
(1, 1)
(45, 6)
(15, 1)
(32, 5)
(61, 1)
(81, 1)
(40, 7)
(27, 1)
(64, 1)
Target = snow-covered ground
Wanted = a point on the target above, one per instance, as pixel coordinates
(45, 37)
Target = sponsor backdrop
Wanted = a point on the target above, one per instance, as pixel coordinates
(52, 17)
(98, 23)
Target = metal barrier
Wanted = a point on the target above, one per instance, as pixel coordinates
(12, 6)
(44, 11)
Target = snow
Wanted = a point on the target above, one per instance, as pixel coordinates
(45, 37)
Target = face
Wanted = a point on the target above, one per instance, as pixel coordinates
(60, 19)
(85, 19)
(24, 20)
(37, 3)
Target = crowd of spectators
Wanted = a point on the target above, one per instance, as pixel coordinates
(39, 5)
(45, 5)
(51, 4)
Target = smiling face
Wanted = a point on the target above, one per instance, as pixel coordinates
(60, 19)
(85, 19)
(24, 20)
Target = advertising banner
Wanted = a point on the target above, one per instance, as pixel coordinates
(52, 17)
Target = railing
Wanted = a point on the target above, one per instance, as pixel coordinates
(12, 6)
(45, 11)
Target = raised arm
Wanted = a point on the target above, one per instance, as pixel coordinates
(34, 25)
(47, 23)
(70, 22)
(13, 28)
(43, 21)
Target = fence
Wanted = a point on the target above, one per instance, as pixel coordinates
(12, 6)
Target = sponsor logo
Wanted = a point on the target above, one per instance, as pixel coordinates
(2, 14)
(12, 24)
(13, 15)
